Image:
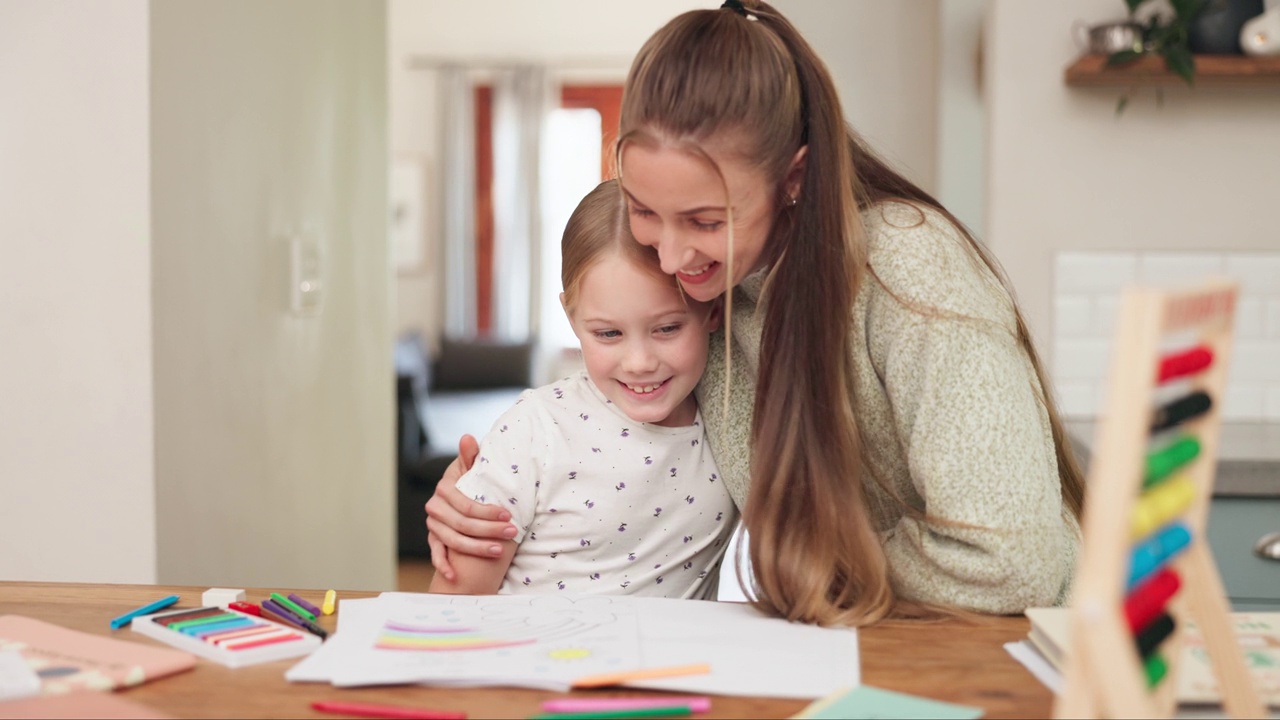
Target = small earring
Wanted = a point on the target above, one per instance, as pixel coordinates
(791, 201)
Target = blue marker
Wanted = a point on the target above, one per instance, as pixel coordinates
(144, 610)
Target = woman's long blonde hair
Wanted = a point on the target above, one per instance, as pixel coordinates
(746, 73)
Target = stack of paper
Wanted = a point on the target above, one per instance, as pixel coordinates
(1047, 644)
(551, 641)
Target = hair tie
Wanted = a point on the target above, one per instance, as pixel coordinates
(738, 7)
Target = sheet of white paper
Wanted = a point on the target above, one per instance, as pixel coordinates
(320, 665)
(1026, 653)
(17, 679)
(547, 641)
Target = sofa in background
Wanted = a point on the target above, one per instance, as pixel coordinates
(462, 391)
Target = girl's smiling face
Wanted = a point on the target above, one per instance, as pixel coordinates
(644, 346)
(677, 204)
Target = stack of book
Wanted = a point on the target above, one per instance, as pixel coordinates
(1258, 634)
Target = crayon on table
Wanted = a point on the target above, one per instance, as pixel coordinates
(668, 711)
(160, 604)
(385, 711)
(579, 704)
(295, 607)
(315, 611)
(592, 681)
(330, 602)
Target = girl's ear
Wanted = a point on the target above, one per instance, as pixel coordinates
(795, 174)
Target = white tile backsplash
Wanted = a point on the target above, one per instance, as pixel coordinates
(1244, 401)
(1250, 318)
(1257, 273)
(1088, 273)
(1086, 303)
(1169, 270)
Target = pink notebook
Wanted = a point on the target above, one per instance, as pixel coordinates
(83, 705)
(68, 660)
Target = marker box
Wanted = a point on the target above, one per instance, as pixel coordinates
(225, 636)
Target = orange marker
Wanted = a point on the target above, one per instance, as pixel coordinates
(593, 681)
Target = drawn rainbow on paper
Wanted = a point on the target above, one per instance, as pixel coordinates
(398, 636)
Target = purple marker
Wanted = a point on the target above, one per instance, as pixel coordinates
(305, 605)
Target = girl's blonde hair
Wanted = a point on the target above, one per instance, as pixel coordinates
(597, 227)
(745, 73)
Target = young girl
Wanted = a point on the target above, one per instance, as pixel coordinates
(889, 433)
(607, 473)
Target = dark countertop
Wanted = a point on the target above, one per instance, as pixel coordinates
(1248, 457)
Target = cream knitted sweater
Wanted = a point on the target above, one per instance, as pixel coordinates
(949, 409)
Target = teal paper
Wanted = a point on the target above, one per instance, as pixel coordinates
(868, 702)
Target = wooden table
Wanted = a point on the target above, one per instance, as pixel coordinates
(949, 661)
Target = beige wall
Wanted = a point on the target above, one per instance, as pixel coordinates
(882, 53)
(1198, 173)
(274, 435)
(163, 416)
(77, 479)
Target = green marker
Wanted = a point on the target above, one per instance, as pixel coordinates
(302, 612)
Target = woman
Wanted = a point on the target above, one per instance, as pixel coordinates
(878, 411)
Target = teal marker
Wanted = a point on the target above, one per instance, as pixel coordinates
(124, 619)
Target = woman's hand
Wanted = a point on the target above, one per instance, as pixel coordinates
(455, 522)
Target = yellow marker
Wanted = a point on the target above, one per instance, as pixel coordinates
(330, 599)
(1161, 504)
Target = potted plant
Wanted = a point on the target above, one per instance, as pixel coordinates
(1166, 36)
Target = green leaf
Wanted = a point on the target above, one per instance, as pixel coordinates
(1187, 10)
(1178, 59)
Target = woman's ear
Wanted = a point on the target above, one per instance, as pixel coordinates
(794, 183)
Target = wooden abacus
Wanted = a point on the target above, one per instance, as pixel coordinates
(1145, 567)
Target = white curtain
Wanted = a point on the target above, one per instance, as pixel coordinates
(458, 201)
(522, 98)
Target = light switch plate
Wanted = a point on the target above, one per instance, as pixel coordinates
(306, 273)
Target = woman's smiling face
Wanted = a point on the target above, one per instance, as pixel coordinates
(677, 205)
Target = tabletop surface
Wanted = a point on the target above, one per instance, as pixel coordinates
(949, 660)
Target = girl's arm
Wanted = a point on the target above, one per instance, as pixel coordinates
(474, 575)
(456, 523)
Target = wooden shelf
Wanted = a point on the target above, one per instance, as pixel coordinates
(1211, 71)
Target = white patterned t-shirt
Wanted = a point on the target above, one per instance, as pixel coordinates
(603, 504)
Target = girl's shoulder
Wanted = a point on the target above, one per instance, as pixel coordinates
(921, 258)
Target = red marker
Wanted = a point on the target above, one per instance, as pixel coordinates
(385, 711)
(245, 607)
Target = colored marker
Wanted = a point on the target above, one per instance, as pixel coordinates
(565, 705)
(330, 601)
(315, 611)
(385, 711)
(668, 711)
(297, 620)
(161, 604)
(292, 606)
(246, 607)
(619, 678)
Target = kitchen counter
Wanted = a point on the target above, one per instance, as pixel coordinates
(1248, 456)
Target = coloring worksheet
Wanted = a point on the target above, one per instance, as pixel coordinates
(550, 641)
(528, 640)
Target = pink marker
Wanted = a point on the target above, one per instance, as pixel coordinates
(695, 704)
